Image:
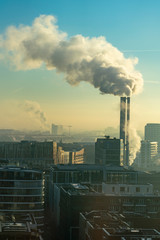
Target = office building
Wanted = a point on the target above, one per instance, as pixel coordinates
(109, 151)
(100, 225)
(71, 199)
(91, 173)
(70, 155)
(29, 154)
(21, 192)
(128, 189)
(152, 133)
(147, 153)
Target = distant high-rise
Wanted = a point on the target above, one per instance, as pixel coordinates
(109, 151)
(152, 133)
(57, 129)
(148, 152)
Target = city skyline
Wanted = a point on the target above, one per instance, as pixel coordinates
(35, 98)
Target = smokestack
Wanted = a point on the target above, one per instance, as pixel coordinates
(127, 131)
(124, 126)
(123, 119)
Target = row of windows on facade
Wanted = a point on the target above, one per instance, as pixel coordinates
(22, 191)
(123, 189)
(20, 175)
(16, 206)
(21, 198)
(96, 176)
(20, 184)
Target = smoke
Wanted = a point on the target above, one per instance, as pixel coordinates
(79, 58)
(135, 144)
(36, 113)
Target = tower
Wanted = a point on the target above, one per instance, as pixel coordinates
(124, 126)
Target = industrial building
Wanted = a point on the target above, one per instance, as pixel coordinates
(109, 151)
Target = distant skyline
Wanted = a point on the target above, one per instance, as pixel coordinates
(33, 99)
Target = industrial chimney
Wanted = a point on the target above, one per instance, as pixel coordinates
(124, 126)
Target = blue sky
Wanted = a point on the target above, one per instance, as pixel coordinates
(131, 26)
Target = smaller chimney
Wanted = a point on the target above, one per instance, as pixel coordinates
(127, 131)
(124, 126)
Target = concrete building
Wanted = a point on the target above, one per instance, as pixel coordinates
(148, 151)
(30, 154)
(21, 192)
(128, 189)
(18, 227)
(72, 156)
(152, 133)
(71, 199)
(130, 234)
(100, 225)
(91, 173)
(109, 151)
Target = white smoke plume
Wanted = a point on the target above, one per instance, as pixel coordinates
(135, 144)
(93, 60)
(34, 109)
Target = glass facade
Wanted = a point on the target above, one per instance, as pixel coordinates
(22, 191)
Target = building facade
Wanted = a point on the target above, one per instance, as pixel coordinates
(30, 154)
(147, 153)
(22, 192)
(70, 156)
(101, 225)
(13, 226)
(109, 151)
(152, 133)
(75, 198)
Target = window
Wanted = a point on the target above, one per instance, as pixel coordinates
(122, 189)
(137, 189)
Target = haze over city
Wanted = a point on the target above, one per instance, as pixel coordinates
(80, 120)
(37, 90)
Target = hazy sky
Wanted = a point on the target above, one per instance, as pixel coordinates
(35, 98)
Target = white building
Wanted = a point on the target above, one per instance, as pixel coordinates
(148, 151)
(152, 133)
(127, 189)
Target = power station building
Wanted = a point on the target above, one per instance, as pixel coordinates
(109, 151)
